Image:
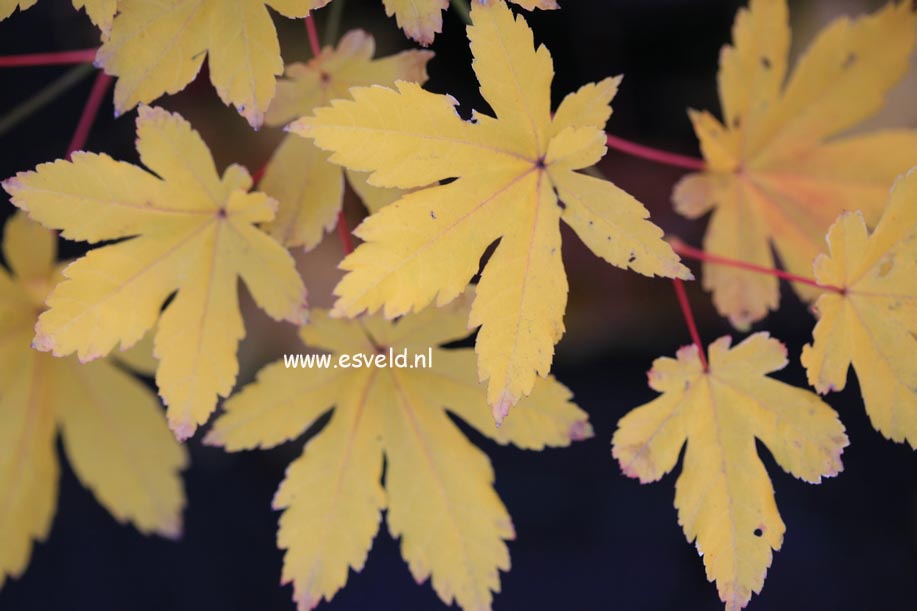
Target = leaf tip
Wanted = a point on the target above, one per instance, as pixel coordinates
(685, 353)
(277, 504)
(11, 184)
(835, 463)
(213, 438)
(172, 529)
(501, 408)
(253, 116)
(42, 343)
(580, 431)
(183, 430)
(300, 127)
(304, 601)
(635, 463)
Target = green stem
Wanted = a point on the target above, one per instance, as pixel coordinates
(333, 25)
(464, 11)
(44, 97)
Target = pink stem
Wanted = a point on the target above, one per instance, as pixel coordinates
(700, 255)
(663, 157)
(689, 320)
(259, 174)
(314, 43)
(57, 58)
(90, 111)
(344, 233)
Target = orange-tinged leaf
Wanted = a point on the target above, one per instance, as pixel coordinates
(112, 426)
(872, 324)
(508, 170)
(310, 191)
(777, 172)
(437, 487)
(158, 47)
(724, 496)
(192, 233)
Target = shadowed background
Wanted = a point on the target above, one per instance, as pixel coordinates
(587, 537)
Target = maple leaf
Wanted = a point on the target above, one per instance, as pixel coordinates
(159, 47)
(101, 12)
(871, 322)
(437, 488)
(724, 497)
(422, 20)
(310, 190)
(112, 428)
(192, 234)
(510, 173)
(775, 175)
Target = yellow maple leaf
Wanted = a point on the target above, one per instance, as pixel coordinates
(192, 234)
(512, 173)
(724, 496)
(871, 322)
(159, 47)
(112, 427)
(437, 489)
(101, 12)
(422, 20)
(310, 190)
(776, 177)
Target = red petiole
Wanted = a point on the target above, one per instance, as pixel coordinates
(90, 112)
(699, 255)
(653, 154)
(58, 58)
(689, 320)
